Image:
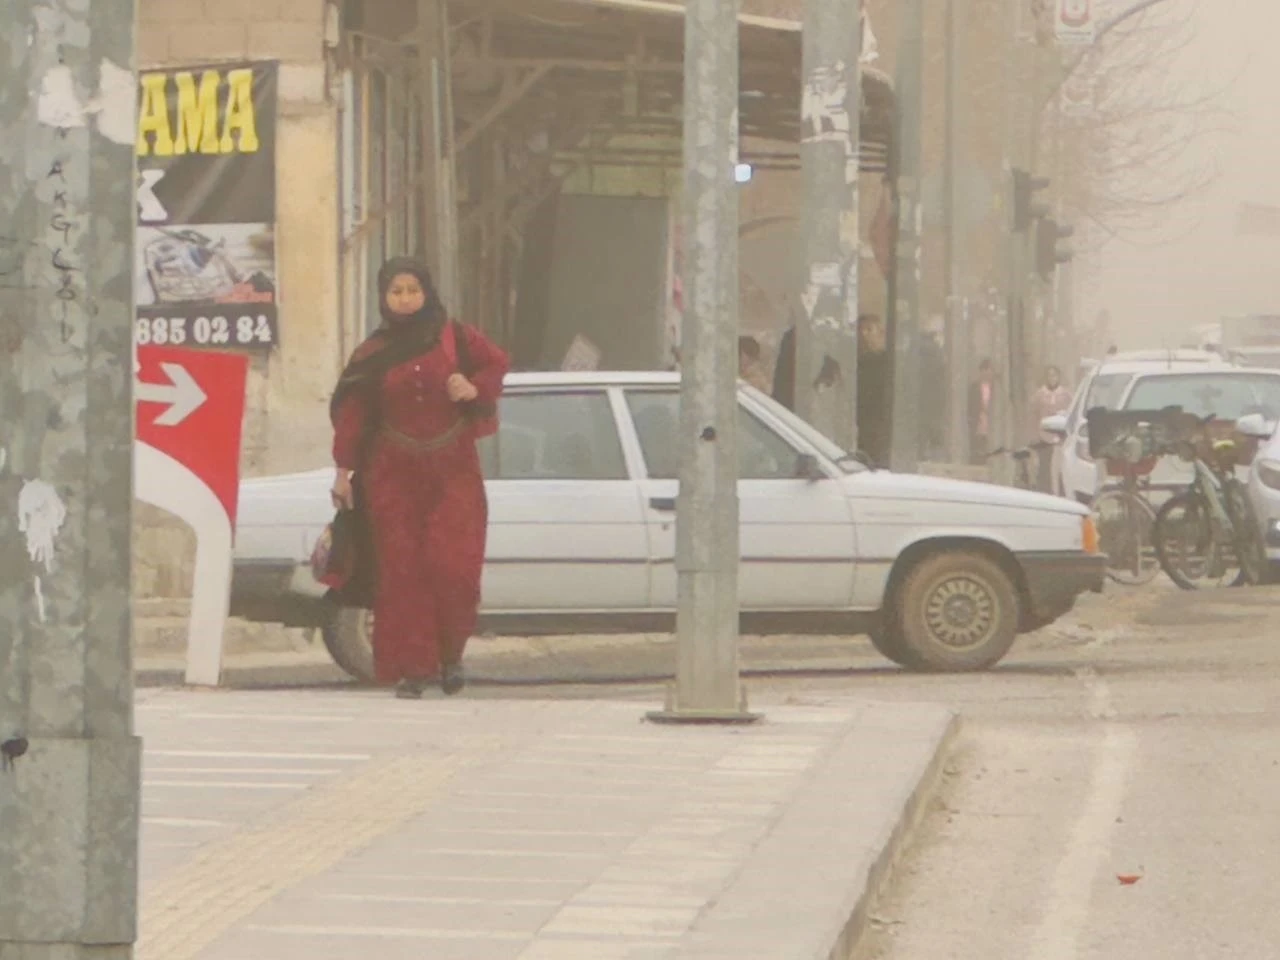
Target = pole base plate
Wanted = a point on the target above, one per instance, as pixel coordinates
(672, 713)
(705, 717)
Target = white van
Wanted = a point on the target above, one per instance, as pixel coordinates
(1108, 384)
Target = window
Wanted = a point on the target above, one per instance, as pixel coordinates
(1106, 391)
(762, 454)
(1227, 396)
(555, 436)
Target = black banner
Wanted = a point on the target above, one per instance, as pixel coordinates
(206, 250)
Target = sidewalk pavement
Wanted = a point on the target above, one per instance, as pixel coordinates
(328, 825)
(291, 661)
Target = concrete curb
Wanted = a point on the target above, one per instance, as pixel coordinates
(913, 810)
(859, 810)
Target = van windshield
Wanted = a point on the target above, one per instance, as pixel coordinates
(1225, 396)
(1107, 391)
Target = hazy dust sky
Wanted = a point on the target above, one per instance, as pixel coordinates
(1156, 287)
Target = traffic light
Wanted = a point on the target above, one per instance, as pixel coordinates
(1025, 208)
(1049, 233)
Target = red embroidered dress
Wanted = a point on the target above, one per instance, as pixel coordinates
(424, 493)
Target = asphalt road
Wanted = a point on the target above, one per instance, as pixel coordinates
(1117, 802)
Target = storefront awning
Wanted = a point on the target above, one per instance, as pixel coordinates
(619, 63)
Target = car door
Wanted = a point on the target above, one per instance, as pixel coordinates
(567, 531)
(796, 535)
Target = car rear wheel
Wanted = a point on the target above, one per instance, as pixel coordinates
(956, 611)
(348, 636)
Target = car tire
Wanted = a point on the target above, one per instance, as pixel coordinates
(888, 644)
(957, 612)
(348, 636)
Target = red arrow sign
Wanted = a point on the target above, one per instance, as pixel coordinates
(191, 407)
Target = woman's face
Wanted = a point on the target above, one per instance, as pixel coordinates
(405, 295)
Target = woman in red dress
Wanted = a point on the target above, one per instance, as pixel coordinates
(405, 416)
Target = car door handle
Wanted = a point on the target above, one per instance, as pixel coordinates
(665, 504)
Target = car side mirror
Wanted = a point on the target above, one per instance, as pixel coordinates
(1255, 426)
(808, 468)
(1056, 424)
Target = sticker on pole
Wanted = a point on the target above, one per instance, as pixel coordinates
(1075, 22)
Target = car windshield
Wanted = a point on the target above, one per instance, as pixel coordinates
(1225, 396)
(807, 431)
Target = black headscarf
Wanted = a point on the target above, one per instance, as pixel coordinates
(399, 339)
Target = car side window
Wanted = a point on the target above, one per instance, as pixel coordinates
(569, 435)
(762, 453)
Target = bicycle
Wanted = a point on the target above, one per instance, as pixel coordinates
(1021, 464)
(1022, 478)
(1124, 516)
(1203, 531)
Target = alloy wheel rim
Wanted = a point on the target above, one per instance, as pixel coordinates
(960, 612)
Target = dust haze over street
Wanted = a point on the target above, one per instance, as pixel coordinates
(1143, 747)
(1139, 737)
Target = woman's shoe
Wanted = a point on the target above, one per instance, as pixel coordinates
(410, 690)
(452, 680)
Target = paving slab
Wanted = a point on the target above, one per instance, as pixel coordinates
(330, 824)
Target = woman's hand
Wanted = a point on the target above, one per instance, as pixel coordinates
(343, 496)
(461, 390)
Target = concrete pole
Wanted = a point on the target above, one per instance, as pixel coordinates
(831, 113)
(957, 332)
(440, 227)
(905, 331)
(1008, 365)
(69, 762)
(708, 687)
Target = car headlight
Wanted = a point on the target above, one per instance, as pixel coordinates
(1269, 473)
(1089, 534)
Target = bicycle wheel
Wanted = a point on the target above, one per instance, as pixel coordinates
(1189, 548)
(1250, 547)
(1125, 521)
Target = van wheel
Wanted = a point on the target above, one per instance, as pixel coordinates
(348, 636)
(956, 612)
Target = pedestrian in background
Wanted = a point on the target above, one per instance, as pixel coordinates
(1051, 398)
(406, 415)
(982, 395)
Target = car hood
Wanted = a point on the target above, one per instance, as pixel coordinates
(886, 485)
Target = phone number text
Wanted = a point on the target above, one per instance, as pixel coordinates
(216, 331)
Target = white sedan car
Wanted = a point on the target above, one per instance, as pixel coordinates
(943, 575)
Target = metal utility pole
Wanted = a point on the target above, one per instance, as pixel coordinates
(831, 113)
(708, 686)
(905, 296)
(957, 330)
(69, 762)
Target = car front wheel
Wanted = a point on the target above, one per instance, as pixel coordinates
(956, 611)
(348, 636)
